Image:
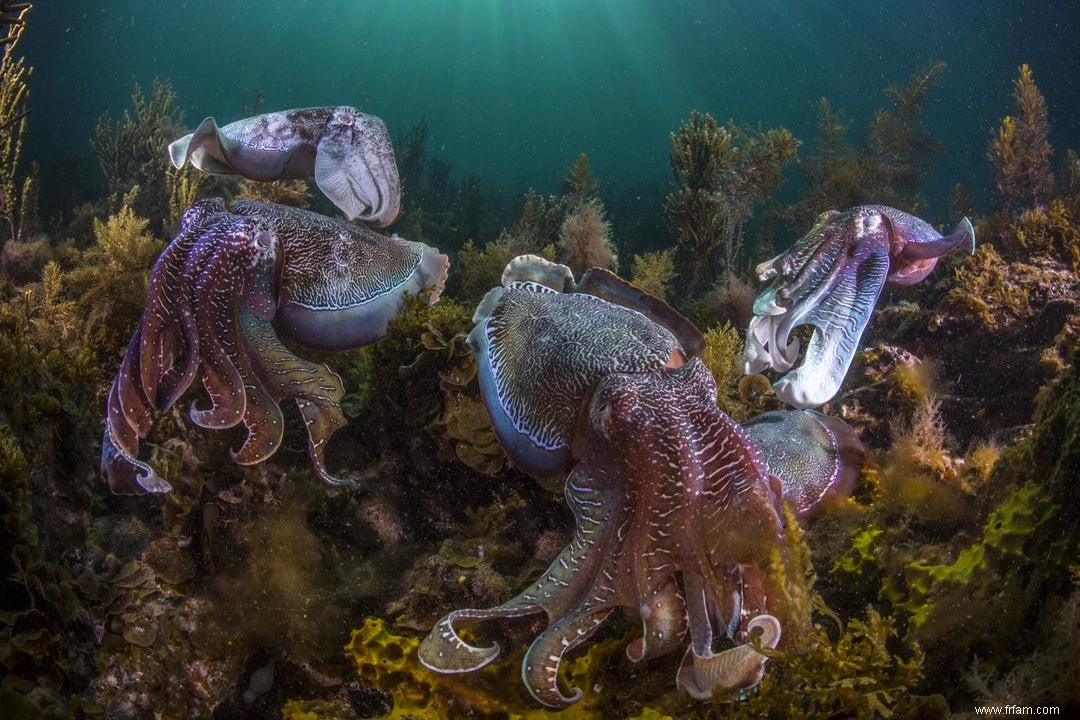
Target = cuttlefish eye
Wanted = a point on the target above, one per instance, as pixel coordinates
(264, 240)
(603, 416)
(344, 117)
(867, 222)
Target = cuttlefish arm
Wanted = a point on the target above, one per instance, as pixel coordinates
(348, 152)
(738, 668)
(831, 279)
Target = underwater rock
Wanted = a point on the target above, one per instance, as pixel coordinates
(831, 279)
(171, 559)
(215, 295)
(260, 683)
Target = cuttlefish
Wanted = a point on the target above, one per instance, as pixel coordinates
(223, 293)
(348, 152)
(831, 279)
(676, 507)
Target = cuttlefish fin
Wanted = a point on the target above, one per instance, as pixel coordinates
(962, 235)
(207, 149)
(608, 286)
(739, 668)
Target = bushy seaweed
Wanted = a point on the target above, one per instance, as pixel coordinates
(16, 208)
(129, 149)
(719, 176)
(1020, 150)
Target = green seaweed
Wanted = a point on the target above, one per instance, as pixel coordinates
(111, 281)
(934, 590)
(900, 146)
(887, 168)
(854, 673)
(862, 562)
(1049, 231)
(988, 291)
(47, 432)
(389, 661)
(129, 150)
(654, 272)
(858, 670)
(16, 209)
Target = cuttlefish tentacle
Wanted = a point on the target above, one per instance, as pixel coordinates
(127, 420)
(800, 278)
(164, 354)
(169, 349)
(839, 319)
(444, 650)
(801, 265)
(241, 286)
(159, 365)
(540, 668)
(316, 389)
(700, 607)
(563, 590)
(130, 412)
(721, 607)
(265, 426)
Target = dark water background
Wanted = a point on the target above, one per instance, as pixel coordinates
(515, 90)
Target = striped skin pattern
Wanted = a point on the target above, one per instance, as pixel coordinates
(831, 279)
(215, 294)
(547, 349)
(675, 510)
(543, 341)
(348, 152)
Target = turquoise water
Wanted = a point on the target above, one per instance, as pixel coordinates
(515, 90)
